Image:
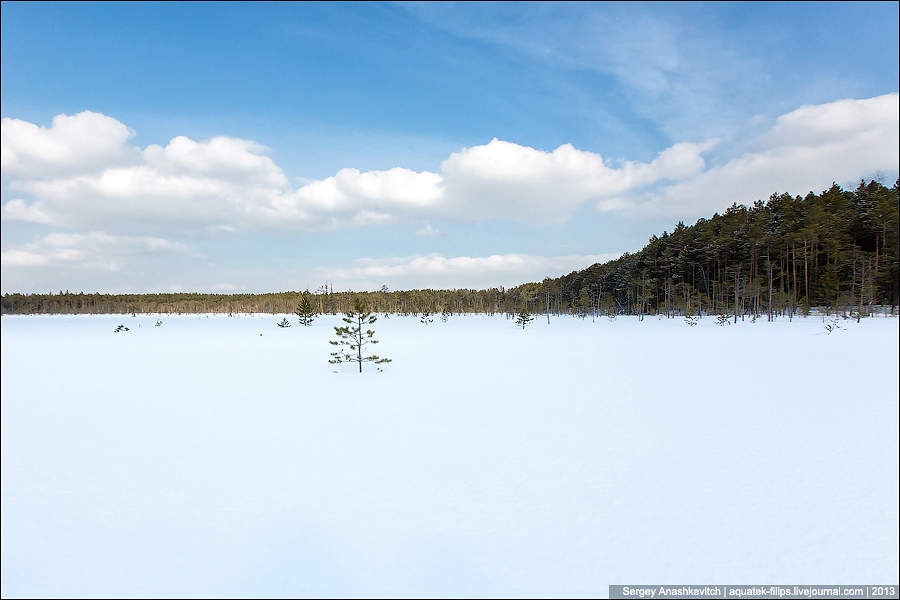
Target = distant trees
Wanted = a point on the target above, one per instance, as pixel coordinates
(306, 312)
(352, 339)
(836, 250)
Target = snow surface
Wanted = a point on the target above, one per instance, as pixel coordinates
(201, 458)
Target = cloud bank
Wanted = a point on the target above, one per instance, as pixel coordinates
(804, 151)
(94, 250)
(82, 172)
(438, 271)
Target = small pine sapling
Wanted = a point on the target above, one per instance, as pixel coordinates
(120, 328)
(524, 318)
(354, 339)
(426, 318)
(283, 323)
(832, 325)
(305, 312)
(446, 314)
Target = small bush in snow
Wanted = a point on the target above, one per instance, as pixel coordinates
(524, 318)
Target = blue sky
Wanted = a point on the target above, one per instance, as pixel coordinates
(270, 147)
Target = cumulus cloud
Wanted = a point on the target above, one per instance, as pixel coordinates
(805, 150)
(355, 198)
(81, 173)
(502, 179)
(104, 182)
(230, 159)
(438, 271)
(18, 210)
(80, 143)
(97, 250)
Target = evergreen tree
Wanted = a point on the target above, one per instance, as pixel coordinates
(283, 323)
(354, 338)
(426, 318)
(305, 312)
(446, 314)
(524, 318)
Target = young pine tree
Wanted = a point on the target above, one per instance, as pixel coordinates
(354, 339)
(305, 312)
(426, 318)
(524, 318)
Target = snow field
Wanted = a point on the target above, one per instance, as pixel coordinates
(202, 459)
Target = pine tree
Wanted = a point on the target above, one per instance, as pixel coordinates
(445, 316)
(524, 318)
(283, 323)
(305, 312)
(426, 318)
(353, 336)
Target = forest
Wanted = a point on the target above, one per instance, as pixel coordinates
(836, 250)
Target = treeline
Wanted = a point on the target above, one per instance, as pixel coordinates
(836, 250)
(324, 300)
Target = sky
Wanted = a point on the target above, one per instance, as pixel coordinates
(272, 147)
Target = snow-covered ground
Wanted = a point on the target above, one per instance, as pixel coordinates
(202, 458)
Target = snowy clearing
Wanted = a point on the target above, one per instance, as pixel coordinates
(201, 458)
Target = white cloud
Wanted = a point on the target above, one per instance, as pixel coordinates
(18, 210)
(835, 122)
(429, 231)
(230, 182)
(352, 197)
(502, 179)
(79, 143)
(438, 271)
(231, 159)
(225, 184)
(222, 228)
(97, 250)
(805, 150)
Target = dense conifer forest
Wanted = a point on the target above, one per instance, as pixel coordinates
(837, 250)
